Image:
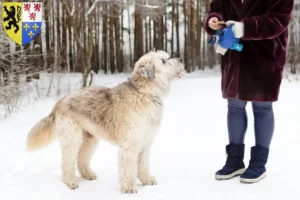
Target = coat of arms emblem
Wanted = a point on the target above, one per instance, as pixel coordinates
(22, 21)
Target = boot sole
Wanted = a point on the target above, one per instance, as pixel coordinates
(245, 180)
(229, 176)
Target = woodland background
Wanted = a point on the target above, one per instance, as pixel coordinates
(108, 36)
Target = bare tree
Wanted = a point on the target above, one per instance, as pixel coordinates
(138, 35)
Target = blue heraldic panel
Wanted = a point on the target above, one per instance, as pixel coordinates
(29, 31)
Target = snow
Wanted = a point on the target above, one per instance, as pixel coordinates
(187, 151)
(151, 6)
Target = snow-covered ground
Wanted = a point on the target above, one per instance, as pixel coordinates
(188, 150)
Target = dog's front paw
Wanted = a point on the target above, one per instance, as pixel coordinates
(71, 183)
(151, 180)
(89, 176)
(129, 191)
(129, 188)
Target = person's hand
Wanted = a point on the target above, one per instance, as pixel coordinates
(214, 24)
(237, 29)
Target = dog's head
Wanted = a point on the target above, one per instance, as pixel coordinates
(158, 69)
(159, 65)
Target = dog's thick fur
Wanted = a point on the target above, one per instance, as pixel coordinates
(127, 115)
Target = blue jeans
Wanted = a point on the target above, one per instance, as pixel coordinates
(237, 122)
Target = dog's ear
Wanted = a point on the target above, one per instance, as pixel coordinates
(163, 55)
(148, 72)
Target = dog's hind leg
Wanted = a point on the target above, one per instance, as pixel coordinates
(128, 158)
(70, 137)
(143, 167)
(85, 154)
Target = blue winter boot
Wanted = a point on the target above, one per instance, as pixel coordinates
(256, 169)
(234, 163)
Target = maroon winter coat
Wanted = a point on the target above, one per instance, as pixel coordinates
(254, 74)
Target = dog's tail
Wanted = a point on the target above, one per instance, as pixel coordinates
(41, 133)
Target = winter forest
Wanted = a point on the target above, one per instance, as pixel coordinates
(97, 43)
(108, 36)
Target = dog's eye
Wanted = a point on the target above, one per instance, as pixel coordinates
(163, 61)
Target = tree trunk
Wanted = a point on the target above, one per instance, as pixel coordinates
(111, 41)
(177, 31)
(158, 33)
(97, 40)
(90, 36)
(7, 65)
(38, 54)
(118, 38)
(122, 42)
(161, 33)
(198, 40)
(55, 29)
(63, 49)
(47, 33)
(165, 26)
(191, 36)
(210, 50)
(146, 35)
(129, 35)
(70, 49)
(150, 34)
(292, 50)
(185, 34)
(172, 28)
(138, 36)
(58, 38)
(104, 40)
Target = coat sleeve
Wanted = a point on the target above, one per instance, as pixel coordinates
(215, 11)
(270, 25)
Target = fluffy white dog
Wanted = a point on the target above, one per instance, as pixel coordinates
(127, 115)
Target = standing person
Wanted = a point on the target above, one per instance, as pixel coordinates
(253, 75)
